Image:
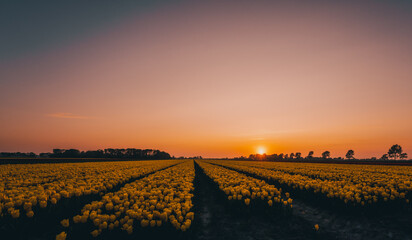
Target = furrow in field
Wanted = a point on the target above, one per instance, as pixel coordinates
(243, 188)
(221, 218)
(160, 199)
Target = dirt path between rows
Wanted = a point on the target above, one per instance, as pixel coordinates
(216, 220)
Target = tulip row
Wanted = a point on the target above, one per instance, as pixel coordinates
(162, 197)
(25, 186)
(374, 175)
(356, 185)
(238, 186)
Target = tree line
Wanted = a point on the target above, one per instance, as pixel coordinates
(394, 153)
(128, 153)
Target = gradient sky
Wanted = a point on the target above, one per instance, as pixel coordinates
(210, 78)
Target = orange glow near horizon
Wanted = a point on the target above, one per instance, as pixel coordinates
(261, 150)
(219, 80)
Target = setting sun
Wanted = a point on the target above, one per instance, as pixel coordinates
(261, 150)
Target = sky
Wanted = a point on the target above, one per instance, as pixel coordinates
(209, 78)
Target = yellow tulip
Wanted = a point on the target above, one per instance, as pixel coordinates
(61, 236)
(65, 223)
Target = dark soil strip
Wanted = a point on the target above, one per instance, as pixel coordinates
(218, 218)
(46, 222)
(346, 223)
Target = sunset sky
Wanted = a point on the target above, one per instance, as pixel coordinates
(210, 78)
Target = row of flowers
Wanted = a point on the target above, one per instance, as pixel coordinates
(164, 197)
(238, 186)
(352, 184)
(396, 177)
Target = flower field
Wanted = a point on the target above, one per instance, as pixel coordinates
(352, 184)
(160, 198)
(238, 186)
(204, 199)
(24, 187)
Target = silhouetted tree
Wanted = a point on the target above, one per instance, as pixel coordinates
(395, 151)
(349, 154)
(148, 152)
(45, 155)
(310, 155)
(164, 155)
(71, 153)
(298, 155)
(93, 154)
(271, 157)
(292, 155)
(280, 156)
(109, 152)
(384, 157)
(57, 152)
(326, 154)
(18, 154)
(403, 156)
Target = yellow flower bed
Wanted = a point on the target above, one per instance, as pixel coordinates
(238, 186)
(353, 184)
(24, 186)
(162, 197)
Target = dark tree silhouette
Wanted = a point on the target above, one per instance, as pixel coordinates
(395, 151)
(403, 156)
(298, 155)
(384, 157)
(57, 152)
(93, 154)
(326, 154)
(349, 154)
(71, 153)
(18, 154)
(273, 157)
(130, 153)
(292, 155)
(45, 155)
(310, 155)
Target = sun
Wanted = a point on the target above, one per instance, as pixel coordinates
(261, 150)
